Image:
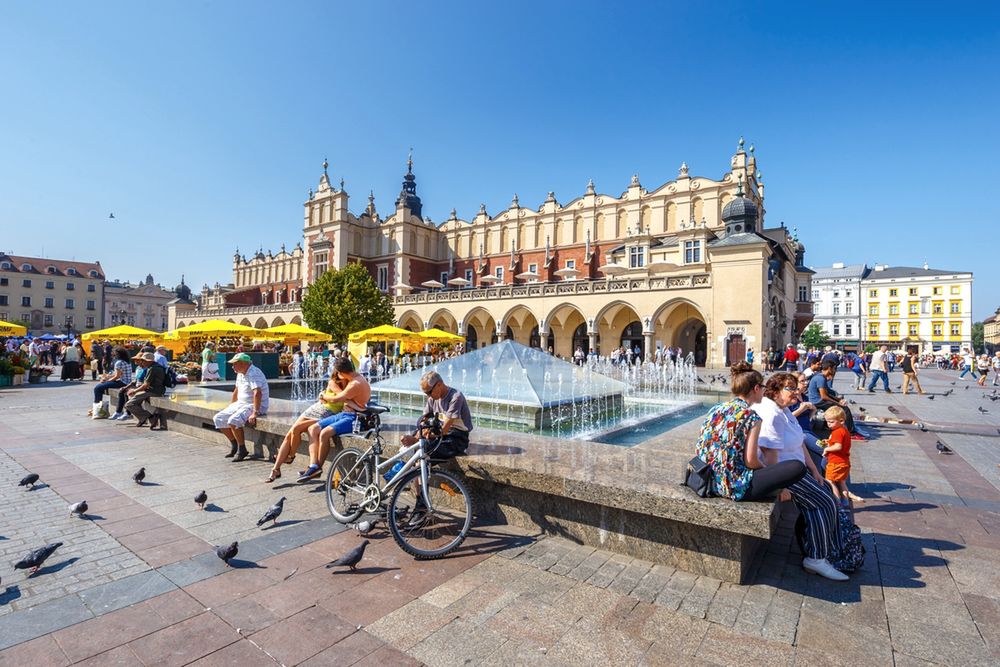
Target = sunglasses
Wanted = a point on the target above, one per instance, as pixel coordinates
(430, 389)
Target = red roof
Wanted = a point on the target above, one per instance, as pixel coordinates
(54, 267)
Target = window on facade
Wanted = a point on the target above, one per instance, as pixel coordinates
(914, 309)
(913, 291)
(26, 267)
(570, 263)
(847, 294)
(836, 329)
(938, 308)
(936, 291)
(149, 322)
(25, 300)
(91, 287)
(956, 330)
(49, 302)
(70, 303)
(815, 295)
(48, 320)
(956, 289)
(836, 294)
(91, 305)
(836, 309)
(3, 282)
(873, 330)
(894, 292)
(499, 273)
(71, 271)
(956, 307)
(893, 329)
(70, 286)
(873, 294)
(90, 322)
(320, 264)
(382, 277)
(913, 328)
(692, 252)
(873, 310)
(3, 300)
(26, 317)
(468, 275)
(26, 283)
(848, 308)
(938, 329)
(894, 309)
(848, 329)
(637, 257)
(803, 293)
(49, 284)
(532, 268)
(444, 277)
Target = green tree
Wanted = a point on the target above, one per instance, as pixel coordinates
(977, 338)
(343, 301)
(814, 336)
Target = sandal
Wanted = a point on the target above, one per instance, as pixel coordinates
(290, 459)
(275, 474)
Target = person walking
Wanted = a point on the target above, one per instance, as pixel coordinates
(879, 370)
(996, 369)
(910, 372)
(968, 365)
(983, 366)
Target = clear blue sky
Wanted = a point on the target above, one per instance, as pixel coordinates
(203, 125)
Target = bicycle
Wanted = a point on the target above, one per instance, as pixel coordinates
(428, 510)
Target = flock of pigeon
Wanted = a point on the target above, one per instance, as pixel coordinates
(226, 553)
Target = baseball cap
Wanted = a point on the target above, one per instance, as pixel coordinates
(242, 356)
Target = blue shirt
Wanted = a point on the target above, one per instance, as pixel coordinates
(817, 381)
(804, 419)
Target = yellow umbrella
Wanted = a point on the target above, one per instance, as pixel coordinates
(379, 334)
(295, 332)
(439, 336)
(214, 328)
(119, 333)
(11, 329)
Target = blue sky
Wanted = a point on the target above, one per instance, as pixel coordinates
(203, 125)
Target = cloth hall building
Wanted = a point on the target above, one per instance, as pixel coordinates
(688, 264)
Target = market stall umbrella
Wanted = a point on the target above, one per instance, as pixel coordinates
(612, 269)
(119, 334)
(432, 284)
(11, 329)
(401, 287)
(567, 272)
(528, 275)
(381, 334)
(459, 282)
(489, 278)
(660, 265)
(214, 329)
(289, 333)
(440, 336)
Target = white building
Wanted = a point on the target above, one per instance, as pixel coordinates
(837, 299)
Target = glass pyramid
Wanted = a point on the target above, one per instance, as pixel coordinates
(508, 372)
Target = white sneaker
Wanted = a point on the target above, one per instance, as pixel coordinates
(116, 416)
(822, 567)
(125, 417)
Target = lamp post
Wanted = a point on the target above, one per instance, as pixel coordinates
(122, 315)
(69, 326)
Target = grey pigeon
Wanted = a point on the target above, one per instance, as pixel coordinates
(966, 386)
(228, 553)
(139, 476)
(35, 559)
(952, 384)
(29, 481)
(351, 558)
(931, 397)
(861, 408)
(893, 410)
(201, 499)
(949, 392)
(273, 512)
(851, 402)
(943, 448)
(982, 409)
(80, 508)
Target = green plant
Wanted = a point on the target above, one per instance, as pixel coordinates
(6, 368)
(18, 370)
(346, 300)
(814, 336)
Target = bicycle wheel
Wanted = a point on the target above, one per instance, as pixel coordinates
(346, 482)
(423, 534)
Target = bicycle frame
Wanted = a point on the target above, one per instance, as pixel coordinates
(413, 455)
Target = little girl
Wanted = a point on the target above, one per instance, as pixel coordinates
(838, 454)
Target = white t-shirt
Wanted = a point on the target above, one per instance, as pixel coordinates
(878, 361)
(779, 430)
(247, 382)
(996, 363)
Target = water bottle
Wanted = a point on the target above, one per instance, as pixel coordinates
(393, 470)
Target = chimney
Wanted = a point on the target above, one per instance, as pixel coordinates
(838, 265)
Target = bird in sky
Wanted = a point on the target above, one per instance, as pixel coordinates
(273, 512)
(111, 216)
(351, 558)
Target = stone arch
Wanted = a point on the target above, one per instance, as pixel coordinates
(578, 232)
(681, 323)
(296, 320)
(479, 327)
(563, 322)
(621, 223)
(410, 321)
(646, 219)
(698, 210)
(443, 319)
(610, 322)
(261, 323)
(518, 324)
(559, 235)
(670, 219)
(602, 230)
(278, 321)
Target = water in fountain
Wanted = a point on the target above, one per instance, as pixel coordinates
(309, 376)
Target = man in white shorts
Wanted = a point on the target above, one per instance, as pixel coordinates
(250, 399)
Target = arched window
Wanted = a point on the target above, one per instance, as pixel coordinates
(26, 267)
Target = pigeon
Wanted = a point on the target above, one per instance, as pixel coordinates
(966, 387)
(952, 384)
(893, 410)
(273, 512)
(80, 508)
(949, 392)
(852, 402)
(364, 527)
(35, 559)
(29, 481)
(943, 448)
(351, 558)
(201, 499)
(861, 408)
(228, 553)
(139, 476)
(111, 216)
(982, 409)
(931, 397)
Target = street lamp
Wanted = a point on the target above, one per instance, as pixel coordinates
(121, 315)
(69, 326)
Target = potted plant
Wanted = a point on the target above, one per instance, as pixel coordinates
(46, 372)
(6, 373)
(19, 373)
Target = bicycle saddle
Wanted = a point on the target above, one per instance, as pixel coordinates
(375, 409)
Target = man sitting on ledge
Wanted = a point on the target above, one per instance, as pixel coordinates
(250, 398)
(450, 407)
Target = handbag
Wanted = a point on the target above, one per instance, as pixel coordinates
(697, 476)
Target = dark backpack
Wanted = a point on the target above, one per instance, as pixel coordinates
(170, 378)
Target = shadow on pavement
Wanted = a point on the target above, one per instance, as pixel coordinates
(894, 507)
(279, 524)
(12, 593)
(49, 569)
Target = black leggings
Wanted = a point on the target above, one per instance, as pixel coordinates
(765, 481)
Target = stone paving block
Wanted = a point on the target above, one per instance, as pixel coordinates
(452, 590)
(303, 635)
(410, 624)
(679, 634)
(630, 576)
(607, 573)
(580, 645)
(557, 548)
(589, 566)
(101, 634)
(124, 592)
(725, 604)
(457, 643)
(347, 651)
(186, 572)
(676, 589)
(42, 619)
(719, 644)
(652, 583)
(185, 642)
(528, 618)
(243, 653)
(366, 603)
(482, 603)
(41, 651)
(753, 611)
(928, 641)
(121, 656)
(696, 601)
(571, 560)
(387, 655)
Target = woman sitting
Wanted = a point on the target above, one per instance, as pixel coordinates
(804, 411)
(730, 443)
(120, 376)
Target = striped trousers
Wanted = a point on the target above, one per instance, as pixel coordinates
(819, 508)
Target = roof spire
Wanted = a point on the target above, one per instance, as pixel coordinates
(341, 183)
(409, 162)
(740, 145)
(325, 165)
(590, 187)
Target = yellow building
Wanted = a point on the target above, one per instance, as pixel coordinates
(917, 307)
(991, 332)
(51, 295)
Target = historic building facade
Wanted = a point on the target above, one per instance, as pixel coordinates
(917, 307)
(991, 332)
(142, 304)
(688, 264)
(837, 303)
(51, 295)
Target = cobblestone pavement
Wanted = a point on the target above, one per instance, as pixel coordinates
(136, 583)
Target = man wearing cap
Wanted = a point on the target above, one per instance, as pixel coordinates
(153, 384)
(250, 398)
(160, 356)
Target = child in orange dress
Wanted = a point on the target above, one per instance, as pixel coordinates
(838, 454)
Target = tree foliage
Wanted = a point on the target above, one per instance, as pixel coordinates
(343, 301)
(978, 338)
(814, 336)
